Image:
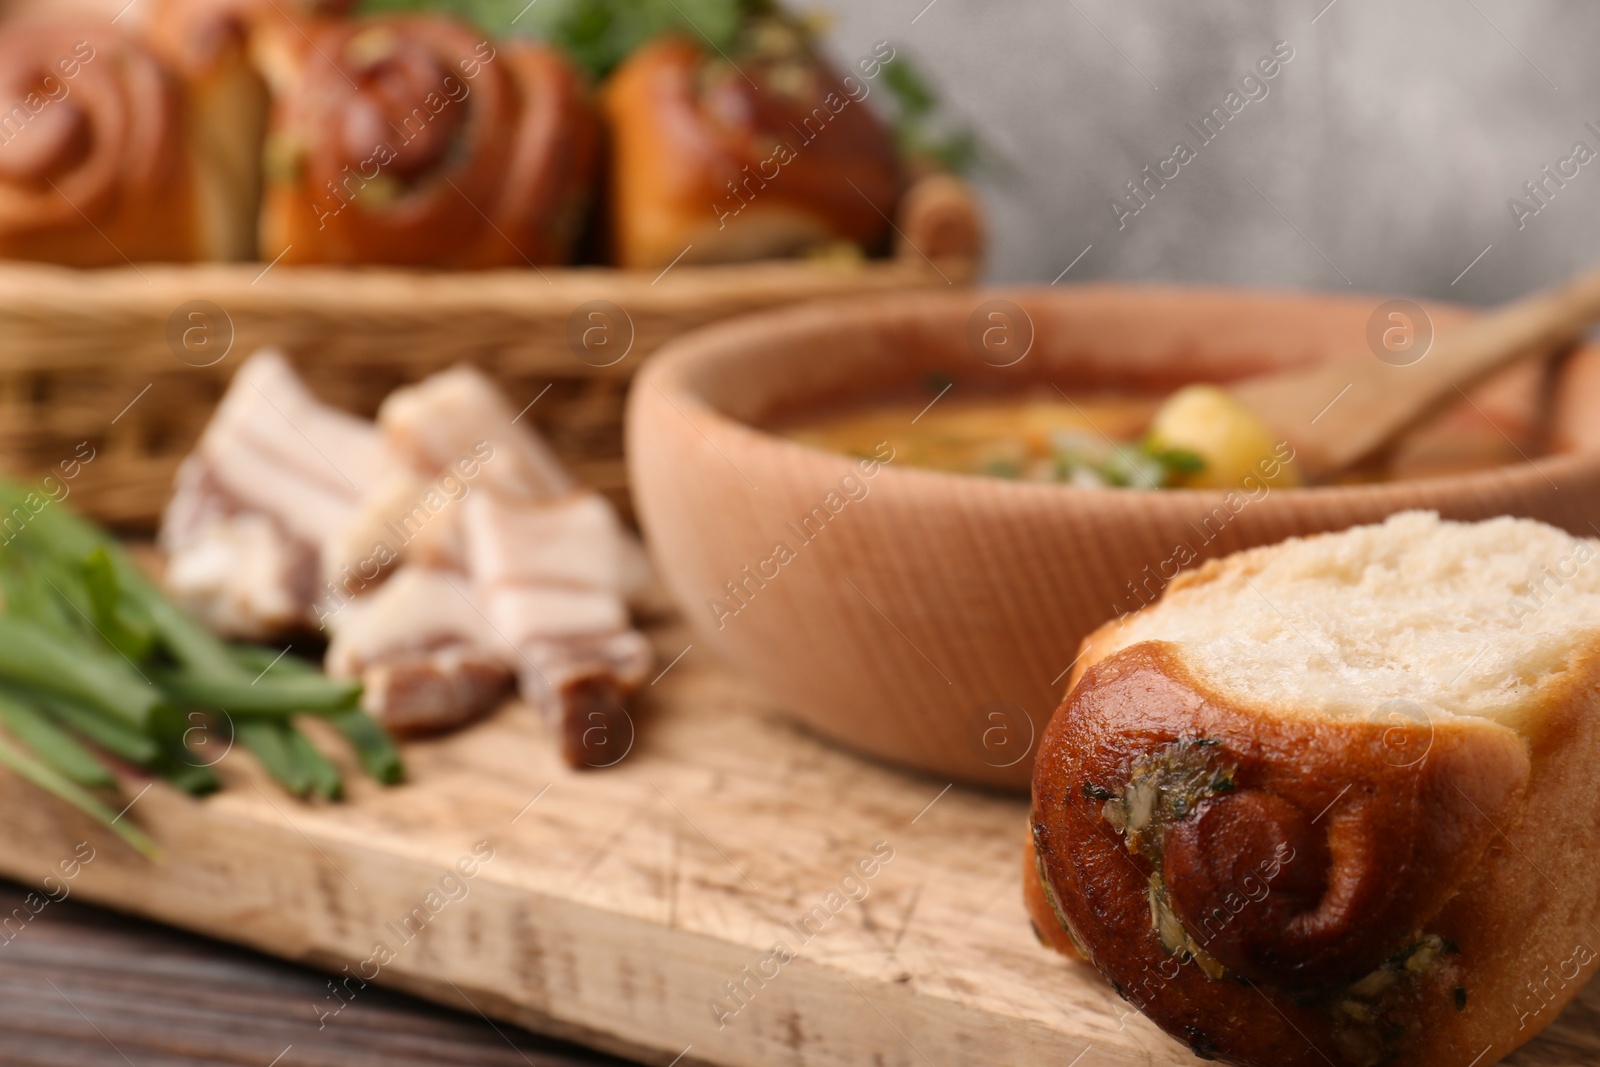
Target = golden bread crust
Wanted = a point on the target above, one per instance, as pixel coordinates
(413, 140)
(734, 170)
(1360, 891)
(1047, 924)
(95, 171)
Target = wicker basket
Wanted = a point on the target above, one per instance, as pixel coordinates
(133, 360)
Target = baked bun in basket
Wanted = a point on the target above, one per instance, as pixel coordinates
(765, 153)
(415, 140)
(1334, 801)
(94, 168)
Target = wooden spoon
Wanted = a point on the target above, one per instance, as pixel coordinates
(1337, 414)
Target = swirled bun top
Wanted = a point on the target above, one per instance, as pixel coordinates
(93, 167)
(1469, 619)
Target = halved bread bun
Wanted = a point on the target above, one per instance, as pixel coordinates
(1333, 801)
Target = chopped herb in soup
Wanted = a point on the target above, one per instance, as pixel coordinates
(1091, 440)
(1199, 437)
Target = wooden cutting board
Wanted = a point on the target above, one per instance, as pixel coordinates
(615, 906)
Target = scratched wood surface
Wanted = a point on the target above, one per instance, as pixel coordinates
(86, 987)
(619, 904)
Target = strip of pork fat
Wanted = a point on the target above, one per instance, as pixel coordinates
(551, 576)
(517, 574)
(275, 478)
(452, 431)
(443, 420)
(237, 569)
(279, 450)
(425, 651)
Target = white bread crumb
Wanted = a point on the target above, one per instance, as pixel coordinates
(1461, 619)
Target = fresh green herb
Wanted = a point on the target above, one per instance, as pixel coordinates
(61, 787)
(311, 694)
(74, 668)
(271, 744)
(121, 621)
(1088, 459)
(53, 745)
(920, 127)
(597, 34)
(196, 781)
(1180, 460)
(259, 659)
(95, 659)
(183, 746)
(373, 746)
(324, 775)
(1134, 468)
(910, 88)
(1003, 468)
(101, 730)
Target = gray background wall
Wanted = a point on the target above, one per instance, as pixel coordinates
(1391, 141)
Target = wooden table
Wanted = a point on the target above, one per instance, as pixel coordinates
(90, 988)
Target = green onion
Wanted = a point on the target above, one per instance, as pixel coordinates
(270, 743)
(309, 693)
(196, 781)
(52, 745)
(373, 745)
(63, 789)
(103, 680)
(109, 733)
(178, 761)
(116, 618)
(27, 595)
(324, 775)
(58, 534)
(260, 660)
(93, 656)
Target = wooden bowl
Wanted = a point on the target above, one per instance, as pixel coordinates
(930, 619)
